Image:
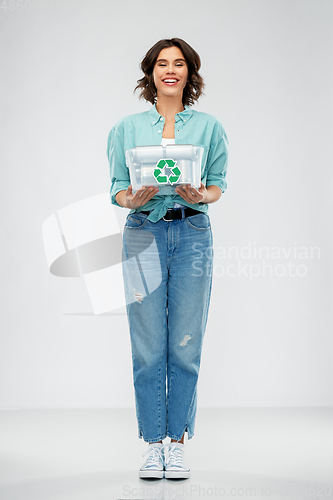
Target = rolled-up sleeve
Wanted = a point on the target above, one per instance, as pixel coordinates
(119, 174)
(217, 161)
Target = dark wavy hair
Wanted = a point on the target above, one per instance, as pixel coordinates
(194, 86)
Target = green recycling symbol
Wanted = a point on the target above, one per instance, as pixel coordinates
(160, 174)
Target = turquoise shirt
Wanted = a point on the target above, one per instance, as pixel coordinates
(145, 129)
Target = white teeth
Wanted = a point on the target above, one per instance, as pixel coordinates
(170, 81)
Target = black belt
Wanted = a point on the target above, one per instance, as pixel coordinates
(176, 213)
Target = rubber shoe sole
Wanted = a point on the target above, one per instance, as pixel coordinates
(151, 474)
(177, 474)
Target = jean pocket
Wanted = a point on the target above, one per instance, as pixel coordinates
(136, 221)
(201, 222)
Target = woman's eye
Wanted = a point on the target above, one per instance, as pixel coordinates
(179, 65)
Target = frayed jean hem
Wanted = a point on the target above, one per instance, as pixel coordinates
(152, 440)
(178, 438)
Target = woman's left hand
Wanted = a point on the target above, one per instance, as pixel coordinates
(192, 195)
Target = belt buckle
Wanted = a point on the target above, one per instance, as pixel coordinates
(167, 220)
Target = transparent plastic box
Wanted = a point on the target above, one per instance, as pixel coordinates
(165, 166)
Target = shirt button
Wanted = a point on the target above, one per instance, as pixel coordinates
(177, 130)
(159, 131)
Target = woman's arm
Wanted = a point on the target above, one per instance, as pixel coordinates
(121, 189)
(217, 163)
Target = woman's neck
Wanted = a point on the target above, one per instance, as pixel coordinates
(168, 107)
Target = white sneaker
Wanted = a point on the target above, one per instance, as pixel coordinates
(154, 465)
(175, 467)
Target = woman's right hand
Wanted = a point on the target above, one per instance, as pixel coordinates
(141, 197)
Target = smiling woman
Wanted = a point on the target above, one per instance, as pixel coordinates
(161, 232)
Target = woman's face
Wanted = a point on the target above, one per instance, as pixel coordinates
(170, 72)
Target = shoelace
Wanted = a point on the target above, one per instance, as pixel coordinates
(174, 456)
(154, 457)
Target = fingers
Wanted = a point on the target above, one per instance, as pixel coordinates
(146, 194)
(185, 193)
(142, 196)
(189, 194)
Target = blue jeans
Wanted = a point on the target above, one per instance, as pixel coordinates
(167, 271)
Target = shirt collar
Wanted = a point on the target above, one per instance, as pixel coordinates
(155, 117)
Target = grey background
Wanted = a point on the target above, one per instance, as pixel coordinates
(68, 73)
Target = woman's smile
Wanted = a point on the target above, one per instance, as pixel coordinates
(170, 81)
